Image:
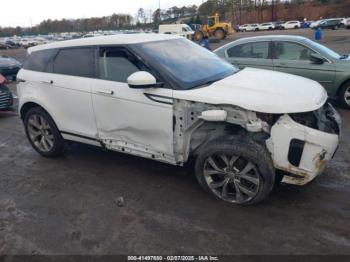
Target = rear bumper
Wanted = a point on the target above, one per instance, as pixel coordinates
(303, 152)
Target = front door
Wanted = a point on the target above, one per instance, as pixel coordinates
(135, 121)
(253, 54)
(294, 58)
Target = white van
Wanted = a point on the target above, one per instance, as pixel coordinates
(177, 29)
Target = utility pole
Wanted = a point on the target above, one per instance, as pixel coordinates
(160, 15)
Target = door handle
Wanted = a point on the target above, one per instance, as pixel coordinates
(47, 82)
(106, 92)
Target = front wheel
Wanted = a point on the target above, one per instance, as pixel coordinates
(42, 133)
(237, 171)
(344, 95)
(219, 34)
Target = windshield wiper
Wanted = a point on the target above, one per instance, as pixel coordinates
(344, 56)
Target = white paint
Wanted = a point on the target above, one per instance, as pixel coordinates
(120, 39)
(261, 91)
(141, 78)
(316, 142)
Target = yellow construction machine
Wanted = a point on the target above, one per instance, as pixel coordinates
(214, 28)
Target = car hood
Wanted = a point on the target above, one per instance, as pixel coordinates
(262, 91)
(8, 62)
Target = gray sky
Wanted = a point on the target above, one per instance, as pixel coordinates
(25, 12)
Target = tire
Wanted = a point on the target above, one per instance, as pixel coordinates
(219, 34)
(344, 95)
(296, 27)
(242, 164)
(43, 133)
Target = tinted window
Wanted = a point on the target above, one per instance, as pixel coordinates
(117, 65)
(250, 50)
(292, 51)
(37, 61)
(186, 64)
(75, 62)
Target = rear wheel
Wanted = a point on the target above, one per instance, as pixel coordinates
(237, 171)
(43, 133)
(344, 95)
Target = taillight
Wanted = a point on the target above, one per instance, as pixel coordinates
(2, 79)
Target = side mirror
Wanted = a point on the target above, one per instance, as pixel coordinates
(316, 59)
(142, 80)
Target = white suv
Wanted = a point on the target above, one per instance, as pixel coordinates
(291, 25)
(165, 98)
(249, 27)
(267, 26)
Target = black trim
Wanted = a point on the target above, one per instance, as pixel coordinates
(152, 97)
(80, 136)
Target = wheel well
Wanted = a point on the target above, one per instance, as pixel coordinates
(27, 106)
(347, 81)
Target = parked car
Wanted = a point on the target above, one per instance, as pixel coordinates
(9, 67)
(315, 24)
(249, 27)
(4, 45)
(331, 24)
(291, 25)
(347, 23)
(295, 55)
(267, 26)
(166, 98)
(6, 98)
(279, 25)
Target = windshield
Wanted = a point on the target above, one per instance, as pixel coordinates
(325, 50)
(186, 64)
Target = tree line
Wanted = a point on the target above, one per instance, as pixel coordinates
(235, 11)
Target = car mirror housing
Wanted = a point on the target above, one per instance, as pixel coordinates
(316, 59)
(141, 80)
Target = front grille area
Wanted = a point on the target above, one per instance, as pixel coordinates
(5, 98)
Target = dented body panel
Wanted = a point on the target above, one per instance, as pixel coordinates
(319, 147)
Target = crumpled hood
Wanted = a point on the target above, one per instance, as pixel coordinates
(262, 91)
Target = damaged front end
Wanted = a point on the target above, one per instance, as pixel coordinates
(301, 144)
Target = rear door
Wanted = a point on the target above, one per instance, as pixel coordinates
(68, 88)
(252, 54)
(294, 58)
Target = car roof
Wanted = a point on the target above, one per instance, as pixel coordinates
(272, 37)
(120, 39)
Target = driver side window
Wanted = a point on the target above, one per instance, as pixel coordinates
(116, 64)
(292, 51)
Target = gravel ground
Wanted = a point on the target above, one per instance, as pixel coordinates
(72, 205)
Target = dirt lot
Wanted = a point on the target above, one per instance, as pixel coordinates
(67, 205)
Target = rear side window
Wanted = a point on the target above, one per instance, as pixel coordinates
(38, 61)
(255, 50)
(75, 62)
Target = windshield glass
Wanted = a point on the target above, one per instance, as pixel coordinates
(324, 49)
(186, 64)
